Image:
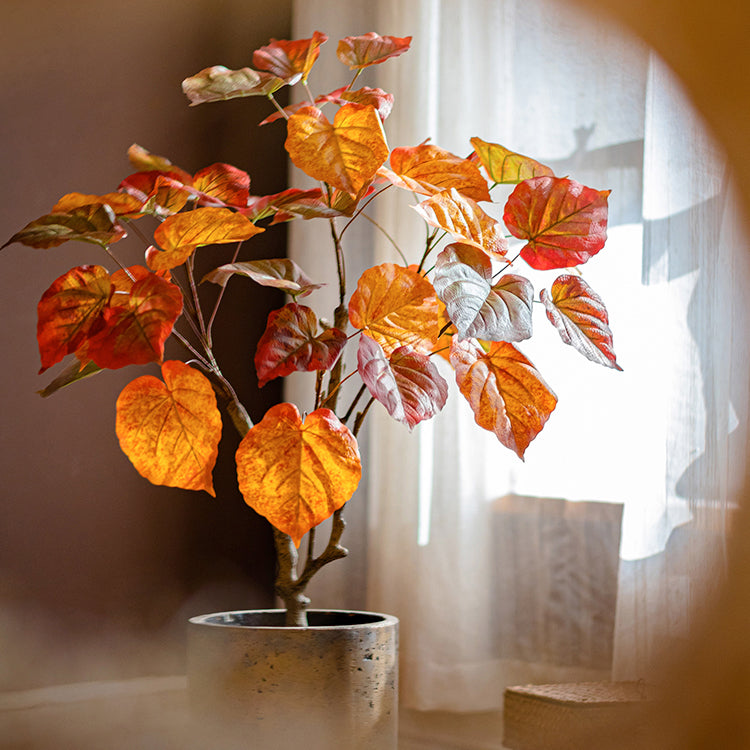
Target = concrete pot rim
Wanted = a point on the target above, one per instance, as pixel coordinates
(273, 620)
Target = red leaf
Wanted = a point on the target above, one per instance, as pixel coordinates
(144, 161)
(505, 391)
(580, 317)
(478, 308)
(137, 322)
(161, 193)
(407, 384)
(370, 49)
(564, 222)
(222, 184)
(381, 100)
(70, 311)
(290, 60)
(291, 343)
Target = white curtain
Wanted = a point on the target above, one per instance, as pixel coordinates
(496, 579)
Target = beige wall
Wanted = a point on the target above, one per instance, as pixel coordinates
(98, 568)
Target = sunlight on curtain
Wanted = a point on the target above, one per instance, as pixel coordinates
(653, 445)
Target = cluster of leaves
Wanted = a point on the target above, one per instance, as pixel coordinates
(471, 305)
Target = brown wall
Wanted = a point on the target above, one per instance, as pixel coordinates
(98, 568)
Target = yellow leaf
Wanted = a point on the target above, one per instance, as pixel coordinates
(295, 473)
(170, 430)
(346, 153)
(465, 220)
(179, 235)
(395, 306)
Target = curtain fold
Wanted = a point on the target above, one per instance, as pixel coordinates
(654, 446)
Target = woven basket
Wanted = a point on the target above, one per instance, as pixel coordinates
(576, 716)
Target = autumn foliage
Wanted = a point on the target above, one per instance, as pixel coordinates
(466, 297)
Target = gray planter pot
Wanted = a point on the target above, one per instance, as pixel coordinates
(254, 683)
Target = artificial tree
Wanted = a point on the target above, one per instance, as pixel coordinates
(465, 300)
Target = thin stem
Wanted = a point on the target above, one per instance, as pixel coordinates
(445, 328)
(309, 93)
(361, 417)
(428, 245)
(363, 207)
(354, 403)
(273, 101)
(334, 391)
(203, 361)
(210, 325)
(356, 75)
(388, 237)
(117, 260)
(189, 266)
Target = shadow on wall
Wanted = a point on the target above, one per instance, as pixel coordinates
(99, 569)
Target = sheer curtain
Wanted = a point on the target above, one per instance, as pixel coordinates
(501, 571)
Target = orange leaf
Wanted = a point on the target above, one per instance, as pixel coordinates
(370, 49)
(291, 343)
(505, 391)
(224, 184)
(122, 204)
(297, 474)
(428, 170)
(464, 219)
(345, 154)
(581, 319)
(70, 310)
(179, 235)
(290, 60)
(217, 83)
(170, 430)
(395, 306)
(137, 322)
(564, 222)
(505, 166)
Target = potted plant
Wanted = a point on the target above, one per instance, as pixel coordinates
(465, 301)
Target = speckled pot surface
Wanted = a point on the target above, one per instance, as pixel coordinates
(255, 684)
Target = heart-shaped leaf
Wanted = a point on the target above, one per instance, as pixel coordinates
(564, 222)
(395, 306)
(280, 273)
(479, 309)
(222, 184)
(407, 383)
(290, 60)
(291, 343)
(370, 49)
(217, 83)
(137, 321)
(297, 474)
(180, 234)
(580, 317)
(346, 153)
(94, 223)
(70, 311)
(428, 170)
(505, 166)
(464, 219)
(505, 391)
(170, 430)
